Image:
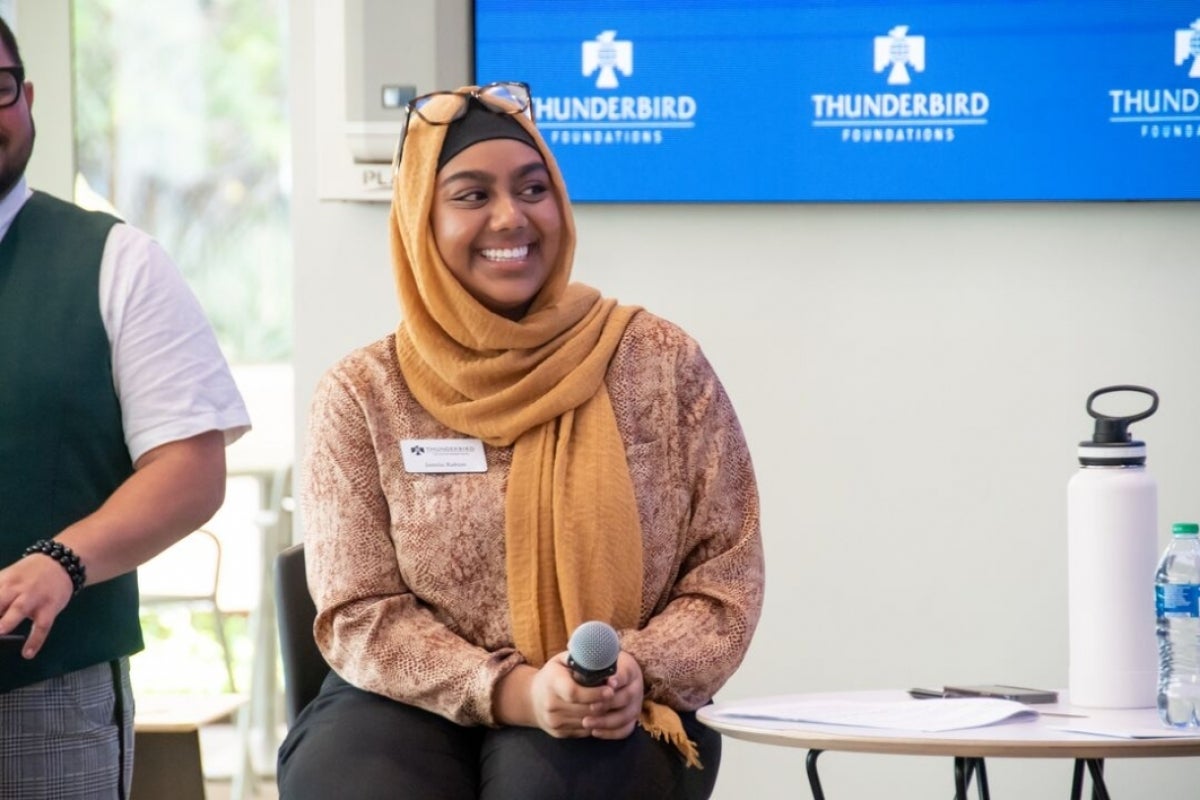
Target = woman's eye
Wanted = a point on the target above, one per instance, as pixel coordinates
(535, 190)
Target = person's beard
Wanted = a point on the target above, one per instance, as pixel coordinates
(12, 169)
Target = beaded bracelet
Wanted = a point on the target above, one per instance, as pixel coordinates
(63, 555)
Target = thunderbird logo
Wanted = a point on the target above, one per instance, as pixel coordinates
(901, 51)
(607, 55)
(1187, 45)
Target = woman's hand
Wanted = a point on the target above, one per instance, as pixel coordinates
(617, 713)
(559, 704)
(550, 699)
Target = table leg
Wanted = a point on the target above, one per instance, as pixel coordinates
(814, 780)
(1077, 780)
(1095, 767)
(966, 768)
(982, 785)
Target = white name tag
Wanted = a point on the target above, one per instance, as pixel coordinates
(443, 455)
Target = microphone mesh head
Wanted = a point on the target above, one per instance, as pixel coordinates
(594, 646)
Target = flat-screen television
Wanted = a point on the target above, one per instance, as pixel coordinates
(850, 100)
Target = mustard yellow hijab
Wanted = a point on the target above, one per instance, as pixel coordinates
(572, 534)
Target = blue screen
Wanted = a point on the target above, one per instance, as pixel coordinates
(838, 100)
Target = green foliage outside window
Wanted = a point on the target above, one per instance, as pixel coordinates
(182, 130)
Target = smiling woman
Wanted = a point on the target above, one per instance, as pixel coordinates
(615, 486)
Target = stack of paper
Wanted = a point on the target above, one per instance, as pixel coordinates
(1119, 731)
(910, 715)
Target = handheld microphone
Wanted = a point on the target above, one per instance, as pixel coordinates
(592, 653)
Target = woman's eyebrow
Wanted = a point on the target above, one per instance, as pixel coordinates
(475, 175)
(488, 178)
(532, 166)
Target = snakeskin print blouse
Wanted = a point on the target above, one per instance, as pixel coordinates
(407, 570)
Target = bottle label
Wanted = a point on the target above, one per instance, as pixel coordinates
(1177, 600)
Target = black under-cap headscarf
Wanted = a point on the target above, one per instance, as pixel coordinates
(480, 124)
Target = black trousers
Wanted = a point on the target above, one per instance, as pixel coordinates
(355, 745)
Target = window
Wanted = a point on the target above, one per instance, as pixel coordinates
(181, 130)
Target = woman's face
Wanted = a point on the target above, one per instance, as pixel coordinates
(497, 223)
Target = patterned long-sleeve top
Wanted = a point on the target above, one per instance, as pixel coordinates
(408, 569)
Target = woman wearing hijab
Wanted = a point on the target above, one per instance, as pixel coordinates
(521, 456)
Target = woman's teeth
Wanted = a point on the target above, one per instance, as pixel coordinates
(506, 254)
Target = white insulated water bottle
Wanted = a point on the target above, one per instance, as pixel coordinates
(1112, 553)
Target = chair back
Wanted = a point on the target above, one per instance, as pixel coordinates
(304, 668)
(190, 569)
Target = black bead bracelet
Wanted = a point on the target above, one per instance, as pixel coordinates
(63, 555)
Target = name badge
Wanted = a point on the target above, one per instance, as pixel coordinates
(443, 455)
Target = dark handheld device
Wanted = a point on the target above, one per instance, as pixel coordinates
(14, 641)
(1022, 694)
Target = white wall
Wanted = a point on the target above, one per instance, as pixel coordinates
(43, 29)
(911, 379)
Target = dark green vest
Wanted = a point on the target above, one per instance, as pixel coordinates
(62, 445)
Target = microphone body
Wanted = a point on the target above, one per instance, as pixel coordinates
(592, 653)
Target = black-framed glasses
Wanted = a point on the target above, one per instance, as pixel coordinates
(11, 81)
(442, 108)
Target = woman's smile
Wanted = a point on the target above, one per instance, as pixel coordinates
(508, 254)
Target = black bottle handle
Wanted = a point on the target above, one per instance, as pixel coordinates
(1123, 388)
(1113, 429)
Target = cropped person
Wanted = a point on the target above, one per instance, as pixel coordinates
(521, 456)
(115, 408)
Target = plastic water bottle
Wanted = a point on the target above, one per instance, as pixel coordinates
(1112, 547)
(1177, 602)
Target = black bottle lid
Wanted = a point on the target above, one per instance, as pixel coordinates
(1111, 444)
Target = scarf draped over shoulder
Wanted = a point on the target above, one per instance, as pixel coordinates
(572, 534)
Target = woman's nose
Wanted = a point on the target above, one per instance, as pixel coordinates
(507, 213)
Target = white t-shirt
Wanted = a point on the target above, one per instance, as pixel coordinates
(170, 376)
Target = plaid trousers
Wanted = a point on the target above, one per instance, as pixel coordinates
(70, 737)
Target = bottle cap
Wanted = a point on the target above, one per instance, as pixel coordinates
(1185, 529)
(1111, 444)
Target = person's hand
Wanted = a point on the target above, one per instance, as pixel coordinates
(35, 587)
(559, 704)
(564, 709)
(615, 716)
